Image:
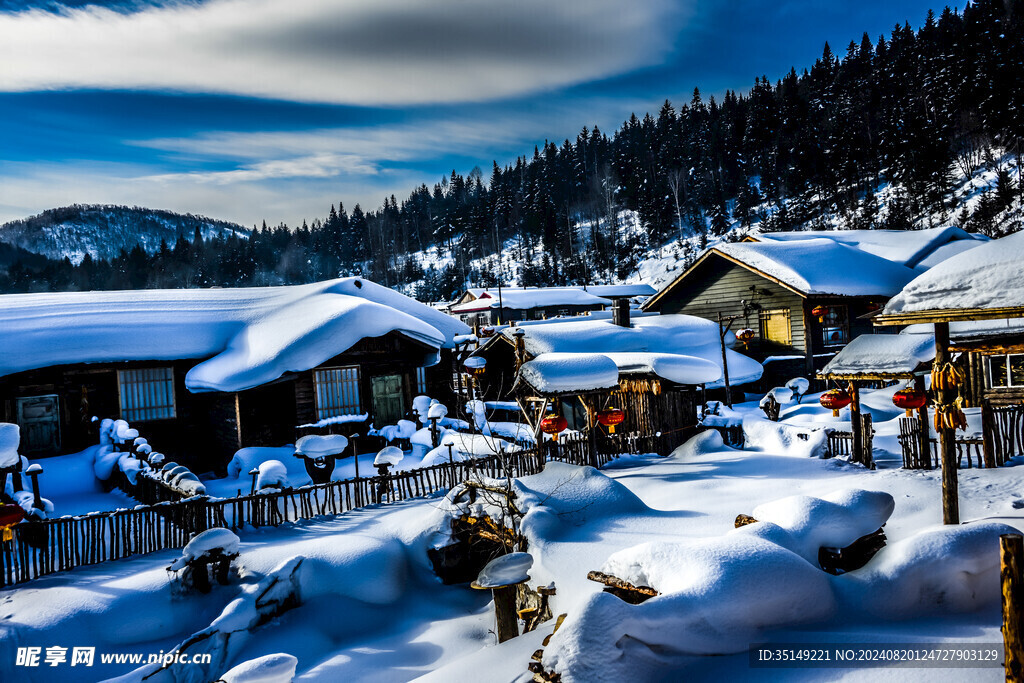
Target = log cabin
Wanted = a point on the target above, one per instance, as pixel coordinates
(804, 294)
(653, 368)
(204, 372)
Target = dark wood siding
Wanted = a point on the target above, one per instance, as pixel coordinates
(720, 286)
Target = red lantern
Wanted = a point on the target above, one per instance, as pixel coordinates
(872, 306)
(909, 399)
(553, 425)
(475, 365)
(835, 400)
(745, 336)
(9, 516)
(820, 312)
(611, 417)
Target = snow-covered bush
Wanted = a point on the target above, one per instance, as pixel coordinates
(273, 476)
(799, 387)
(320, 446)
(10, 438)
(390, 455)
(778, 437)
(212, 541)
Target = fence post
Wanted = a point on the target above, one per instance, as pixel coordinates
(987, 431)
(867, 441)
(1011, 547)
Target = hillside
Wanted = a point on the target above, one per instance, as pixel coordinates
(103, 231)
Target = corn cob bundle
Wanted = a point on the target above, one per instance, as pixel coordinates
(946, 376)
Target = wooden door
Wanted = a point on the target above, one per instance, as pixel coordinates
(388, 400)
(39, 420)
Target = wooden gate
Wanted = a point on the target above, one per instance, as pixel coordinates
(39, 420)
(387, 399)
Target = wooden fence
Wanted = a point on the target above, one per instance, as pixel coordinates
(44, 547)
(1002, 439)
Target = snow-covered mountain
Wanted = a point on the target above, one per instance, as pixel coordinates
(103, 230)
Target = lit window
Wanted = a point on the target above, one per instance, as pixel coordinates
(1006, 371)
(835, 327)
(146, 394)
(337, 391)
(775, 326)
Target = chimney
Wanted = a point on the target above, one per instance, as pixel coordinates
(620, 312)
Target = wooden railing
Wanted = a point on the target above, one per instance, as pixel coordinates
(969, 450)
(839, 443)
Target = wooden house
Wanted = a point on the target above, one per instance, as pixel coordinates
(804, 295)
(653, 368)
(515, 304)
(983, 284)
(204, 372)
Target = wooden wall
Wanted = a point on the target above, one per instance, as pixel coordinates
(719, 286)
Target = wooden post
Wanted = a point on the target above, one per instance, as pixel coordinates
(1011, 549)
(855, 427)
(947, 437)
(505, 612)
(924, 443)
(725, 362)
(867, 441)
(987, 430)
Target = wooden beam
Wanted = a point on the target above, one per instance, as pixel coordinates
(856, 426)
(948, 315)
(947, 436)
(1011, 574)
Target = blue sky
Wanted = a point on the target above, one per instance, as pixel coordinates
(252, 110)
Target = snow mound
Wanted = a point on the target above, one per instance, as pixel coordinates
(708, 441)
(833, 521)
(505, 571)
(207, 541)
(436, 410)
(782, 439)
(391, 455)
(714, 601)
(245, 460)
(935, 572)
(10, 438)
(318, 446)
(464, 447)
(273, 475)
(403, 430)
(275, 668)
(799, 386)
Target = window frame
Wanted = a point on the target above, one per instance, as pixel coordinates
(1009, 374)
(345, 406)
(140, 411)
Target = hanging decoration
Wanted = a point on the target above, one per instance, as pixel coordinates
(9, 516)
(873, 306)
(835, 400)
(475, 366)
(745, 335)
(554, 425)
(909, 399)
(610, 417)
(946, 376)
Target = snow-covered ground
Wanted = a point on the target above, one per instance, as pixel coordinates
(398, 622)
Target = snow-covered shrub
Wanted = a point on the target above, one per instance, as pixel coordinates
(390, 455)
(799, 387)
(437, 410)
(273, 475)
(420, 406)
(784, 439)
(275, 668)
(218, 540)
(319, 446)
(403, 430)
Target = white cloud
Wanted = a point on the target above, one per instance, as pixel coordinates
(339, 51)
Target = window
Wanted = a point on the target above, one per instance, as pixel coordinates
(337, 391)
(146, 394)
(421, 381)
(775, 327)
(563, 312)
(1006, 371)
(835, 328)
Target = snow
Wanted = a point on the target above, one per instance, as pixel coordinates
(272, 475)
(888, 354)
(779, 437)
(520, 299)
(248, 336)
(682, 335)
(337, 420)
(10, 438)
(318, 446)
(799, 386)
(403, 430)
(464, 447)
(275, 668)
(985, 277)
(505, 570)
(919, 249)
(389, 455)
(210, 540)
(674, 367)
(822, 266)
(553, 373)
(436, 410)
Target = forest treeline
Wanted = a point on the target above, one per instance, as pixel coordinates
(915, 111)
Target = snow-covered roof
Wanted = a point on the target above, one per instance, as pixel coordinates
(968, 330)
(249, 336)
(988, 277)
(882, 354)
(522, 299)
(607, 291)
(678, 348)
(918, 249)
(821, 266)
(561, 372)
